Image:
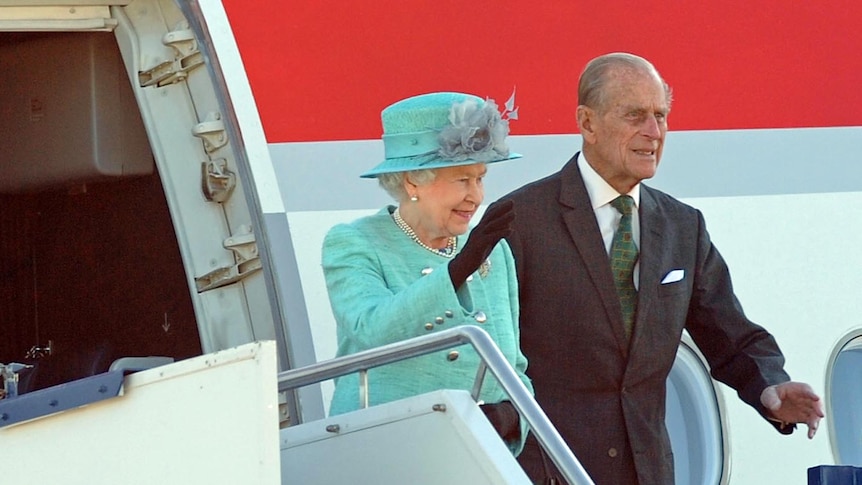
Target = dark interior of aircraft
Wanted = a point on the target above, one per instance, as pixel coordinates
(90, 268)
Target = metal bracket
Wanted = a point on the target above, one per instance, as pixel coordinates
(37, 351)
(186, 57)
(61, 397)
(182, 40)
(217, 182)
(9, 374)
(244, 247)
(212, 132)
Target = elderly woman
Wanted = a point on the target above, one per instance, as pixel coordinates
(411, 269)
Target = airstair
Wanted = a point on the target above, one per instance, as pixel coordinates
(439, 437)
(214, 419)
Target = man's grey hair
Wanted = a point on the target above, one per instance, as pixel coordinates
(594, 78)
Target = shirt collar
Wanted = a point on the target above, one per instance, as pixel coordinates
(601, 192)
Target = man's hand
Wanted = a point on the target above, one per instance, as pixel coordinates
(794, 402)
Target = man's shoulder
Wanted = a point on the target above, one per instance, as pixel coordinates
(540, 186)
(546, 186)
(666, 202)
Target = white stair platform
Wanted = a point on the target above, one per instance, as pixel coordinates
(439, 437)
(211, 419)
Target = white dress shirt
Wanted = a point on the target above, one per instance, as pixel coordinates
(601, 194)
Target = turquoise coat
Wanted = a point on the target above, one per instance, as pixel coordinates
(381, 291)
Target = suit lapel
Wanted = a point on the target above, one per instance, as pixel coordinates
(652, 227)
(577, 212)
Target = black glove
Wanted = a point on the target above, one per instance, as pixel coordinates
(495, 225)
(505, 420)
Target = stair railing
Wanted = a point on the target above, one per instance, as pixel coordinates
(492, 360)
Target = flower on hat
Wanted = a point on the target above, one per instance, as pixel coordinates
(476, 132)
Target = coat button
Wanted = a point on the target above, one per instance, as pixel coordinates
(612, 452)
(480, 317)
(429, 326)
(438, 320)
(453, 355)
(449, 314)
(427, 271)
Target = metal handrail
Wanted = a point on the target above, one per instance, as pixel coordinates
(546, 434)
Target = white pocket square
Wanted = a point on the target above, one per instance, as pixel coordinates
(673, 276)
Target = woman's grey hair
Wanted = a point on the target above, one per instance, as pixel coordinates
(591, 85)
(393, 183)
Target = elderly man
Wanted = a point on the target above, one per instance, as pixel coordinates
(611, 272)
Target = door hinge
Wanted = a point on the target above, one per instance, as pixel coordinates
(217, 182)
(211, 131)
(186, 57)
(248, 262)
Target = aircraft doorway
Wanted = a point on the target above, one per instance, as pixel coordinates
(843, 397)
(90, 268)
(695, 421)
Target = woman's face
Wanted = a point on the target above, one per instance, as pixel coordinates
(446, 205)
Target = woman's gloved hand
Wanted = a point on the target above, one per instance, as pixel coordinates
(496, 224)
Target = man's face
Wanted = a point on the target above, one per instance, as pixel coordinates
(624, 138)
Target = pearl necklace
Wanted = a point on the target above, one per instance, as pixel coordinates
(447, 252)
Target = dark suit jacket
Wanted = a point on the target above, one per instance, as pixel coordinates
(606, 397)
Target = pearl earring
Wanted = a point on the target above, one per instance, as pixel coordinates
(413, 198)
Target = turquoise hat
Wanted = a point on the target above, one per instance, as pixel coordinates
(439, 130)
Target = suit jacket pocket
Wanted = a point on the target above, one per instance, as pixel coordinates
(670, 289)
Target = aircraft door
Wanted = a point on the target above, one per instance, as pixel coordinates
(695, 421)
(196, 154)
(843, 398)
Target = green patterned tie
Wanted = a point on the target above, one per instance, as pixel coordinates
(624, 255)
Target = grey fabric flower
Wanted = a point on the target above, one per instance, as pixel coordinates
(475, 133)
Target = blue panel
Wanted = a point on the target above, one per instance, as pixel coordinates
(834, 475)
(731, 163)
(60, 398)
(323, 176)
